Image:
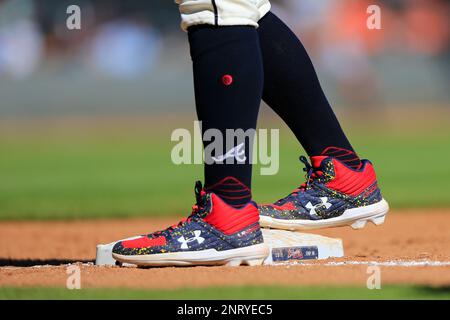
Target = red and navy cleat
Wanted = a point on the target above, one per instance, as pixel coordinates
(214, 234)
(333, 195)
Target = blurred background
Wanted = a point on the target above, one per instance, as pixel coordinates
(86, 115)
(131, 57)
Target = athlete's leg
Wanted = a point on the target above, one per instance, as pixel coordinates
(228, 81)
(293, 91)
(340, 189)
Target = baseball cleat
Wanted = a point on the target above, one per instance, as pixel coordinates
(333, 195)
(214, 234)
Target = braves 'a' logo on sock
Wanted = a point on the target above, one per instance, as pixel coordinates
(312, 208)
(184, 242)
(237, 152)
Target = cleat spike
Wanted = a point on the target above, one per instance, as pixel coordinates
(254, 262)
(378, 220)
(234, 263)
(359, 224)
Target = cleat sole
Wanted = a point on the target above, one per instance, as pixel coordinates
(357, 218)
(251, 255)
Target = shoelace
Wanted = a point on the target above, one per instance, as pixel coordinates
(310, 176)
(198, 207)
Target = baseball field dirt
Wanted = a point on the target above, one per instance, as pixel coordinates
(411, 248)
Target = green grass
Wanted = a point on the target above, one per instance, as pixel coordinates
(237, 293)
(129, 173)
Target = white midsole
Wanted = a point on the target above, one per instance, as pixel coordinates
(203, 257)
(350, 216)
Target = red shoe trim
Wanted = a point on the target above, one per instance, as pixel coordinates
(349, 181)
(317, 160)
(144, 242)
(286, 206)
(230, 220)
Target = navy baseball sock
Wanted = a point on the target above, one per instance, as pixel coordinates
(293, 91)
(347, 157)
(228, 84)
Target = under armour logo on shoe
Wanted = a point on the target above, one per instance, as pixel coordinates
(312, 208)
(237, 152)
(184, 242)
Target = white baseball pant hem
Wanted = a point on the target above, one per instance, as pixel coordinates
(222, 12)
